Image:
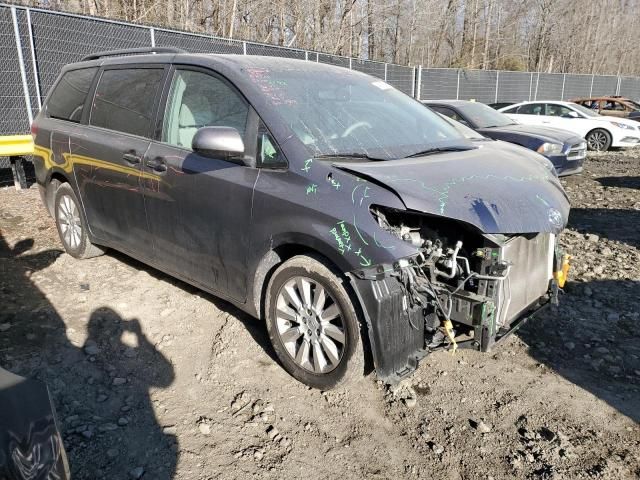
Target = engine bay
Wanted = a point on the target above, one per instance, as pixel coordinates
(468, 287)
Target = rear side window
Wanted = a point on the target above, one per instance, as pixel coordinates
(67, 100)
(531, 109)
(447, 112)
(555, 110)
(125, 98)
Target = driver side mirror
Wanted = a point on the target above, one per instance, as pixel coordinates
(571, 115)
(219, 142)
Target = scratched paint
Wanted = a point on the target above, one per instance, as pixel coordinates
(70, 160)
(359, 193)
(307, 165)
(273, 89)
(442, 190)
(342, 237)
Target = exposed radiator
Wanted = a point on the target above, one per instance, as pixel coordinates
(528, 279)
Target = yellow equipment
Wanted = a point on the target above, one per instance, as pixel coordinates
(16, 147)
(562, 274)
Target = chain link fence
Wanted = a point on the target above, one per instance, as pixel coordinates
(36, 43)
(492, 86)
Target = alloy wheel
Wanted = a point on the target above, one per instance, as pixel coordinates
(597, 140)
(310, 325)
(70, 224)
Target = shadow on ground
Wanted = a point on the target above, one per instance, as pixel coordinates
(100, 387)
(613, 223)
(594, 346)
(256, 328)
(620, 182)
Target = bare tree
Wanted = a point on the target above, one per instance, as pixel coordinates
(574, 36)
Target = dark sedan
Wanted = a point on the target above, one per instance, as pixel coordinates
(566, 150)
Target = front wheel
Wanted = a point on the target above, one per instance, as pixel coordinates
(312, 324)
(598, 140)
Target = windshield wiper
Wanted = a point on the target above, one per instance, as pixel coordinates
(363, 156)
(431, 151)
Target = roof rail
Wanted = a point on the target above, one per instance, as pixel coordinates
(132, 51)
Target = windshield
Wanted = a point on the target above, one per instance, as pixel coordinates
(463, 129)
(584, 110)
(635, 105)
(483, 116)
(352, 114)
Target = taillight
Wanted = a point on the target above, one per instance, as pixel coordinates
(34, 130)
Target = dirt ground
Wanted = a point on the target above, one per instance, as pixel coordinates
(155, 380)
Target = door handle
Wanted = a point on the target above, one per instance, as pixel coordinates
(157, 164)
(131, 158)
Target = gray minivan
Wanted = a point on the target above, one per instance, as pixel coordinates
(356, 222)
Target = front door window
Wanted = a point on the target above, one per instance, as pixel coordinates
(199, 100)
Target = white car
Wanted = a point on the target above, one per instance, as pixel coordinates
(600, 132)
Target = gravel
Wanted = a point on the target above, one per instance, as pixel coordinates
(154, 379)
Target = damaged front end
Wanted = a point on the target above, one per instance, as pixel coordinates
(463, 289)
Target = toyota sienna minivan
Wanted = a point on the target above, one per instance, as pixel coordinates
(355, 222)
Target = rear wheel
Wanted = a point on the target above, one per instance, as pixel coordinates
(598, 140)
(72, 227)
(313, 325)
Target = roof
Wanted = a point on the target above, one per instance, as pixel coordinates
(230, 61)
(453, 103)
(609, 97)
(561, 102)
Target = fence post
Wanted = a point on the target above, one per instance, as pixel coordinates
(418, 83)
(530, 85)
(350, 63)
(618, 85)
(413, 83)
(244, 48)
(564, 78)
(537, 83)
(23, 73)
(152, 33)
(591, 88)
(385, 72)
(36, 78)
(306, 55)
(497, 83)
(458, 86)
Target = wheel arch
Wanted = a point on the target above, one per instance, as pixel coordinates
(282, 249)
(604, 129)
(54, 179)
(280, 253)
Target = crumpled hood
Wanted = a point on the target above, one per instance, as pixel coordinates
(490, 188)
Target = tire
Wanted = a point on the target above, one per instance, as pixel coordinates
(71, 224)
(598, 140)
(319, 341)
